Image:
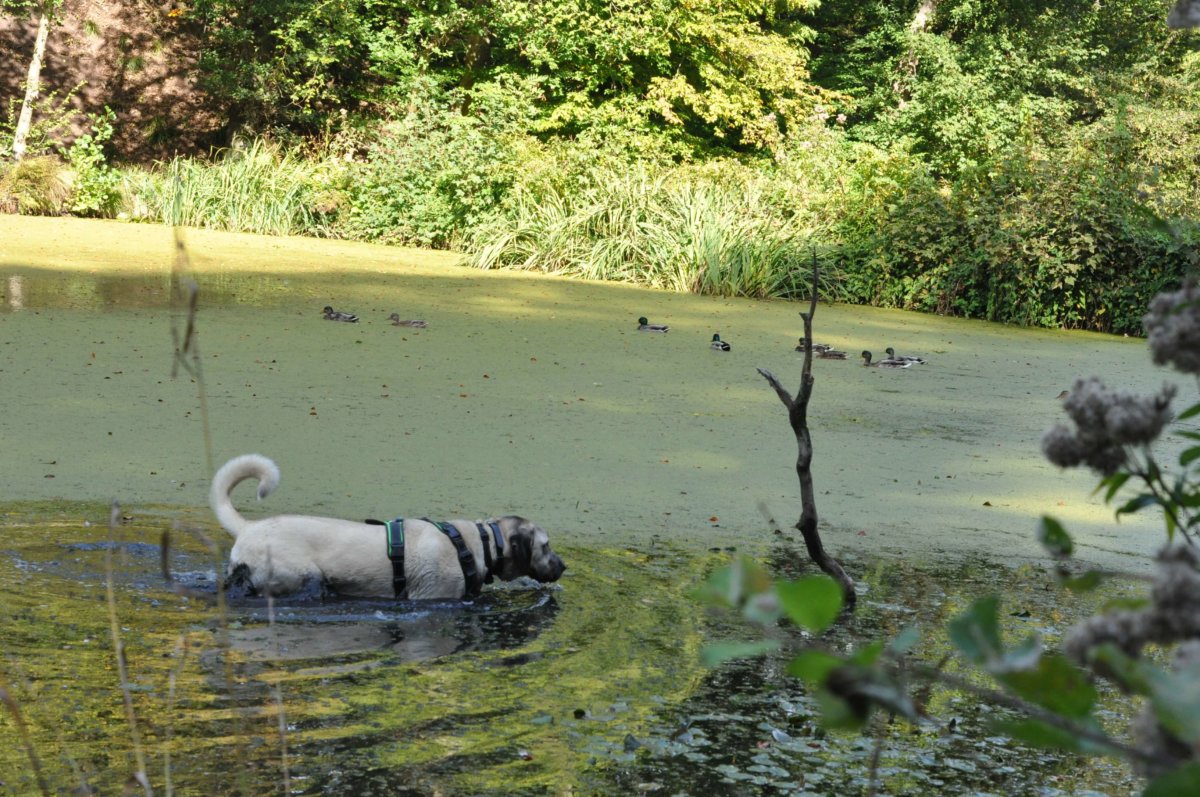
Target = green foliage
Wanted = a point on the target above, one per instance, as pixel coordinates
(723, 74)
(1059, 239)
(34, 186)
(435, 173)
(96, 185)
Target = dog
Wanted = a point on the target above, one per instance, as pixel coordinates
(288, 554)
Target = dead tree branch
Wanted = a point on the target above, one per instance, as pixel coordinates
(797, 408)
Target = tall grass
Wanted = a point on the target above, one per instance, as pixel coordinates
(255, 188)
(720, 231)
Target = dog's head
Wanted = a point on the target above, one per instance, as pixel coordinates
(527, 552)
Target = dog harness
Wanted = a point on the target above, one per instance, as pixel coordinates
(466, 560)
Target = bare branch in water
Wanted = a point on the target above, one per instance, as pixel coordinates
(797, 408)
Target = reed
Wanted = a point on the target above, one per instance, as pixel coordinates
(681, 230)
(256, 188)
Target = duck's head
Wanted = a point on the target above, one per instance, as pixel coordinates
(394, 317)
(716, 338)
(643, 321)
(890, 351)
(328, 310)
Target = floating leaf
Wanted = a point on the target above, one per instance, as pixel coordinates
(812, 603)
(1054, 538)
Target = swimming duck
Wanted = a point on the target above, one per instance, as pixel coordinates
(718, 344)
(646, 326)
(829, 354)
(904, 358)
(866, 355)
(816, 347)
(415, 323)
(337, 315)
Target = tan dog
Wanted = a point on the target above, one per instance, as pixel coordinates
(285, 554)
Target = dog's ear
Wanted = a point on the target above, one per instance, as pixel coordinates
(522, 548)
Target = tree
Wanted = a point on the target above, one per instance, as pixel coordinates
(46, 11)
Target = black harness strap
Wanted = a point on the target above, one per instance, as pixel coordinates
(395, 552)
(466, 559)
(487, 550)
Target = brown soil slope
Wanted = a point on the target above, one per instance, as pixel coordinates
(136, 57)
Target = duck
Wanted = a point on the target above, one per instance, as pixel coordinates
(866, 355)
(816, 347)
(829, 354)
(646, 326)
(718, 344)
(904, 358)
(415, 323)
(338, 315)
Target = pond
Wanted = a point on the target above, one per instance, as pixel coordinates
(647, 457)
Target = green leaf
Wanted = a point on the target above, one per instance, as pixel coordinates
(1182, 781)
(1190, 412)
(1054, 538)
(1189, 456)
(1054, 684)
(976, 632)
(868, 654)
(812, 603)
(731, 584)
(906, 640)
(1113, 483)
(1137, 503)
(1041, 734)
(718, 652)
(836, 712)
(1175, 696)
(814, 666)
(1133, 674)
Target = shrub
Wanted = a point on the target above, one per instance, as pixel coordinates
(95, 185)
(34, 186)
(436, 172)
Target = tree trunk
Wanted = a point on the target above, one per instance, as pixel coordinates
(32, 85)
(798, 418)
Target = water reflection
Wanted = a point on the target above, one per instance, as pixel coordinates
(408, 630)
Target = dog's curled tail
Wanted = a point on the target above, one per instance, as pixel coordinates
(230, 475)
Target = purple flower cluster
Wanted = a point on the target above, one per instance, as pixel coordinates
(1173, 328)
(1106, 421)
